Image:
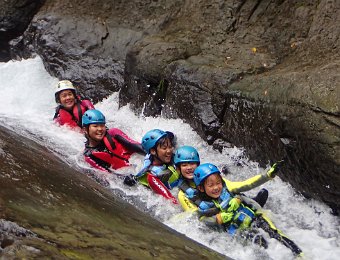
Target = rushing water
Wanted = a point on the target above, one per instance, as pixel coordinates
(27, 106)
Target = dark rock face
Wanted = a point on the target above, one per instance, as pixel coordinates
(15, 16)
(259, 74)
(279, 99)
(87, 41)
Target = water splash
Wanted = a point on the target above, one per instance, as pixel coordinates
(27, 106)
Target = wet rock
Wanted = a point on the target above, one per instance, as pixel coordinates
(285, 89)
(87, 41)
(10, 233)
(258, 74)
(15, 16)
(71, 56)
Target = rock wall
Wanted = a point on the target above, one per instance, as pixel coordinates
(259, 74)
(15, 16)
(263, 75)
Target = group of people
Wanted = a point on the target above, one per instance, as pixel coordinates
(202, 189)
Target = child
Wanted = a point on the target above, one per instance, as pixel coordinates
(221, 207)
(71, 108)
(106, 149)
(158, 145)
(187, 159)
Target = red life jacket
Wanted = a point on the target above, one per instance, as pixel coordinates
(118, 155)
(72, 118)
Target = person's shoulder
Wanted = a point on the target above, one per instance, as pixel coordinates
(226, 181)
(87, 104)
(115, 131)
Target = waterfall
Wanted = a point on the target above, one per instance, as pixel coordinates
(27, 106)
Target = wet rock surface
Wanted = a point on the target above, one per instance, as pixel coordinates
(11, 233)
(263, 75)
(50, 211)
(15, 16)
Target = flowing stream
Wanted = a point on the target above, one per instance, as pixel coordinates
(27, 106)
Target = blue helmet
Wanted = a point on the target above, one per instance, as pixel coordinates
(204, 171)
(93, 116)
(151, 138)
(186, 154)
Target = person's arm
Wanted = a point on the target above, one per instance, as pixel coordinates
(126, 141)
(210, 221)
(94, 162)
(218, 219)
(253, 182)
(133, 147)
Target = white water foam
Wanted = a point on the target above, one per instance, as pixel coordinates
(27, 106)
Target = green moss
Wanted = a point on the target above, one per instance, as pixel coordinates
(74, 255)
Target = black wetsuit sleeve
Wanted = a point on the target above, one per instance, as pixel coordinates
(130, 146)
(56, 114)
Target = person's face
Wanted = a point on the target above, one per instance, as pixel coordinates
(164, 152)
(67, 99)
(97, 132)
(187, 169)
(213, 185)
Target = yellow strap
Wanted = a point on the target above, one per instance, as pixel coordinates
(174, 176)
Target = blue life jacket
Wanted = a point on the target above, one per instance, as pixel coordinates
(242, 219)
(184, 185)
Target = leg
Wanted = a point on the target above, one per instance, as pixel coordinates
(268, 226)
(261, 197)
(256, 238)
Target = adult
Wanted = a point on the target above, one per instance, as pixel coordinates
(70, 107)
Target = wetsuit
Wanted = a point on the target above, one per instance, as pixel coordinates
(188, 188)
(113, 152)
(246, 217)
(72, 118)
(166, 173)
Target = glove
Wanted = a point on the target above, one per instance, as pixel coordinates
(130, 180)
(234, 204)
(224, 217)
(274, 169)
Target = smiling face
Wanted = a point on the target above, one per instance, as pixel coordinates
(96, 133)
(163, 152)
(187, 169)
(67, 99)
(213, 186)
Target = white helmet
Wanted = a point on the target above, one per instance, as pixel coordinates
(63, 85)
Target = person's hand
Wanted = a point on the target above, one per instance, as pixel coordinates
(274, 169)
(130, 180)
(224, 217)
(234, 204)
